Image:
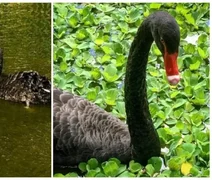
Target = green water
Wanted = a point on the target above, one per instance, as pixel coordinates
(25, 134)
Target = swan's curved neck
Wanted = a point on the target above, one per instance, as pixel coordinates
(135, 80)
(144, 138)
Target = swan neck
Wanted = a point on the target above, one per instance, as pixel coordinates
(137, 108)
(144, 138)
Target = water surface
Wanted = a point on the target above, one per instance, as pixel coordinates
(25, 134)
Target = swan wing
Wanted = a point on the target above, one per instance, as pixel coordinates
(83, 130)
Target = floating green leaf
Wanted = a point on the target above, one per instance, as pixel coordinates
(110, 168)
(134, 167)
(110, 73)
(156, 163)
(150, 170)
(93, 163)
(111, 96)
(91, 47)
(59, 175)
(82, 166)
(179, 103)
(155, 6)
(71, 174)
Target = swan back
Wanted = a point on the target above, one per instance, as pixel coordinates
(26, 86)
(83, 130)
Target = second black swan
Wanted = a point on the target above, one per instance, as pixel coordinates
(27, 86)
(83, 130)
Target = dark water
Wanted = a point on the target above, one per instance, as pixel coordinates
(25, 134)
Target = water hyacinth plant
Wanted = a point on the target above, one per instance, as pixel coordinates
(91, 46)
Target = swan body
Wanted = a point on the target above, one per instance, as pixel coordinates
(81, 127)
(26, 86)
(83, 130)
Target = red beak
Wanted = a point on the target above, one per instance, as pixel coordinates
(170, 61)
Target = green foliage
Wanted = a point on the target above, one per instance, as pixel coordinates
(91, 45)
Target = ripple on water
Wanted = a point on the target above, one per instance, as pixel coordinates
(25, 134)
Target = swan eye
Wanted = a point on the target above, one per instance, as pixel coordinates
(163, 42)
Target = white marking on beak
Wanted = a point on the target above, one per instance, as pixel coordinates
(173, 80)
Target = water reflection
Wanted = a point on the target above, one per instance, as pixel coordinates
(25, 134)
(25, 37)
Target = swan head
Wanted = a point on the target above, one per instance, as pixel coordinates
(166, 34)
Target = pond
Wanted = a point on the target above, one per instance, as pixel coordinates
(25, 133)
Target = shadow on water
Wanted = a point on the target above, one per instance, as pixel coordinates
(25, 134)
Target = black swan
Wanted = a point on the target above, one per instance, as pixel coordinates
(26, 86)
(83, 130)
